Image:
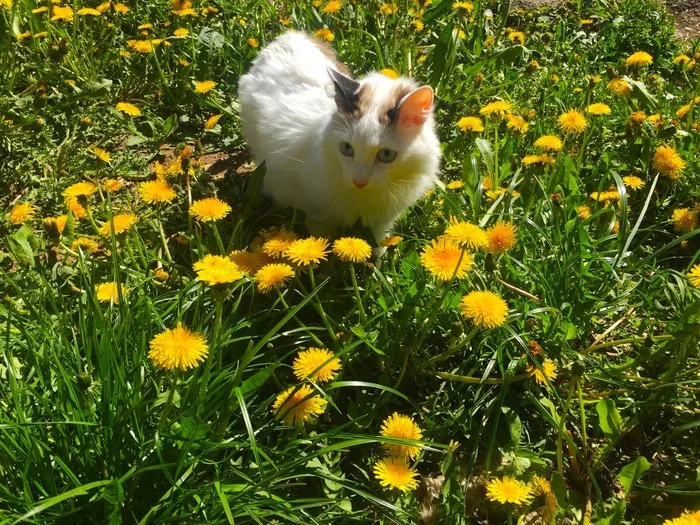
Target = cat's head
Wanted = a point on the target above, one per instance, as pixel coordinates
(383, 132)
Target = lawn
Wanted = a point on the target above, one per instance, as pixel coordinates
(175, 348)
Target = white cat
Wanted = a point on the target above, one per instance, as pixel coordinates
(337, 148)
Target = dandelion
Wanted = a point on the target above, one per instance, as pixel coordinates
(467, 235)
(325, 34)
(517, 37)
(79, 189)
(668, 162)
(694, 276)
(210, 209)
(537, 159)
(85, 244)
(61, 13)
(549, 143)
(272, 276)
(307, 252)
(332, 7)
(121, 223)
(572, 121)
(404, 427)
(277, 243)
(248, 262)
(395, 473)
(109, 292)
(156, 191)
(54, 226)
(214, 269)
(517, 123)
(76, 208)
(418, 25)
(474, 124)
(620, 87)
(598, 109)
(101, 154)
(684, 220)
(508, 490)
(498, 108)
(444, 259)
(583, 212)
(393, 240)
(390, 73)
(112, 185)
(388, 9)
(484, 308)
(542, 488)
(204, 86)
(22, 213)
(298, 405)
(121, 8)
(253, 43)
(44, 9)
(639, 59)
(455, 185)
(633, 182)
(317, 364)
(549, 371)
(352, 249)
(159, 274)
(88, 11)
(181, 31)
(128, 109)
(502, 237)
(687, 518)
(178, 348)
(463, 8)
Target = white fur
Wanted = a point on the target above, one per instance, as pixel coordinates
(291, 122)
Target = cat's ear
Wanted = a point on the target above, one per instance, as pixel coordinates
(346, 91)
(414, 109)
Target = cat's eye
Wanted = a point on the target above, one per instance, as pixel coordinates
(346, 149)
(386, 155)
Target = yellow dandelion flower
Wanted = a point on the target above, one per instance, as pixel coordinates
(639, 59)
(44, 9)
(104, 6)
(484, 308)
(598, 109)
(542, 488)
(467, 235)
(537, 159)
(668, 162)
(178, 348)
(249, 262)
(253, 43)
(633, 182)
(181, 31)
(109, 292)
(404, 427)
(637, 117)
(352, 249)
(332, 7)
(444, 259)
(620, 87)
(61, 13)
(316, 363)
(549, 371)
(395, 473)
(272, 276)
(128, 109)
(549, 143)
(159, 274)
(298, 405)
(112, 185)
(22, 36)
(418, 26)
(214, 269)
(474, 124)
(101, 154)
(277, 243)
(55, 225)
(455, 185)
(204, 86)
(508, 490)
(694, 276)
(463, 8)
(212, 122)
(307, 252)
(183, 62)
(684, 220)
(517, 37)
(687, 518)
(502, 237)
(140, 46)
(121, 8)
(156, 191)
(85, 244)
(85, 11)
(325, 34)
(121, 222)
(22, 213)
(388, 9)
(583, 212)
(498, 108)
(517, 123)
(390, 73)
(211, 209)
(80, 189)
(681, 60)
(76, 208)
(572, 121)
(393, 240)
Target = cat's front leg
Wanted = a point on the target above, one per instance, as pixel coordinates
(380, 232)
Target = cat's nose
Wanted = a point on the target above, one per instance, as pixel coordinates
(359, 184)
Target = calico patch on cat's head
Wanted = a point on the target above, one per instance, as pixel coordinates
(384, 130)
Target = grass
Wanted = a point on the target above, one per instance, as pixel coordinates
(586, 393)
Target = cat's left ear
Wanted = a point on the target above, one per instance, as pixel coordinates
(414, 109)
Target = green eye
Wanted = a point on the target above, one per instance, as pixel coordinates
(346, 149)
(386, 155)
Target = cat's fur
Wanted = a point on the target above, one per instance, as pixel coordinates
(297, 108)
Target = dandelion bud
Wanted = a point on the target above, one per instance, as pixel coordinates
(478, 78)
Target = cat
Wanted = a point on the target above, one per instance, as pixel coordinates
(338, 148)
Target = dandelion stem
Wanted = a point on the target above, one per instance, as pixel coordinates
(219, 242)
(318, 342)
(562, 425)
(363, 315)
(169, 403)
(480, 381)
(319, 307)
(162, 237)
(214, 349)
(451, 351)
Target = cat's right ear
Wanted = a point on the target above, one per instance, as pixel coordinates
(346, 91)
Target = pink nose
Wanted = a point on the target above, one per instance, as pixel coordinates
(359, 184)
